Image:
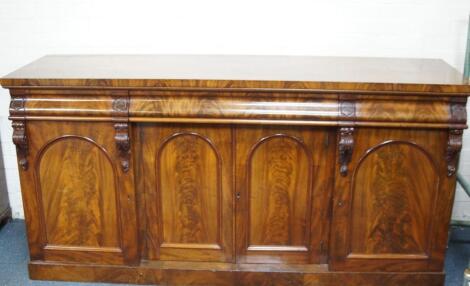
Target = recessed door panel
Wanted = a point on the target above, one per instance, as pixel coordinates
(384, 208)
(187, 173)
(283, 192)
(78, 192)
(392, 201)
(86, 202)
(279, 176)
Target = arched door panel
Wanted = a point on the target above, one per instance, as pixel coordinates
(384, 209)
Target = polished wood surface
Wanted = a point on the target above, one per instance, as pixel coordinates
(83, 204)
(283, 185)
(384, 209)
(255, 108)
(227, 275)
(78, 163)
(237, 170)
(188, 192)
(327, 73)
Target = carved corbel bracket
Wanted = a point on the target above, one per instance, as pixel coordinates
(345, 146)
(123, 143)
(454, 145)
(120, 108)
(21, 141)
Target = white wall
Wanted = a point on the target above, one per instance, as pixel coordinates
(386, 28)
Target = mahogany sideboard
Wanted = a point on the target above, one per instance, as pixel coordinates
(237, 170)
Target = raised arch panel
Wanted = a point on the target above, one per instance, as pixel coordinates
(189, 183)
(393, 190)
(279, 173)
(78, 193)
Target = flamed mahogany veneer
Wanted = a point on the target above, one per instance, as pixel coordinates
(237, 170)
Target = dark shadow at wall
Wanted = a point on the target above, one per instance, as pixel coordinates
(5, 210)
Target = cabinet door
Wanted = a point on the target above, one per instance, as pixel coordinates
(79, 203)
(188, 182)
(283, 181)
(392, 208)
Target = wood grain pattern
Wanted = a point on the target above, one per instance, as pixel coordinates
(393, 199)
(277, 216)
(85, 212)
(232, 105)
(275, 171)
(279, 178)
(210, 274)
(411, 110)
(190, 200)
(422, 75)
(188, 181)
(384, 211)
(79, 201)
(222, 106)
(299, 108)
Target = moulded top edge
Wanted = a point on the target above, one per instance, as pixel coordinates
(242, 72)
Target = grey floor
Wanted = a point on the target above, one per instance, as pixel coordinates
(14, 257)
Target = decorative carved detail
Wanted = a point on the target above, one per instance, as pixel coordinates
(16, 105)
(454, 145)
(123, 143)
(20, 138)
(458, 112)
(21, 141)
(347, 108)
(345, 146)
(120, 105)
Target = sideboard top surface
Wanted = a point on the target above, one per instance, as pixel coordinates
(230, 71)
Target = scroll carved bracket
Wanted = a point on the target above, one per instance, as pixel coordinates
(20, 138)
(345, 146)
(21, 141)
(123, 144)
(454, 145)
(120, 108)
